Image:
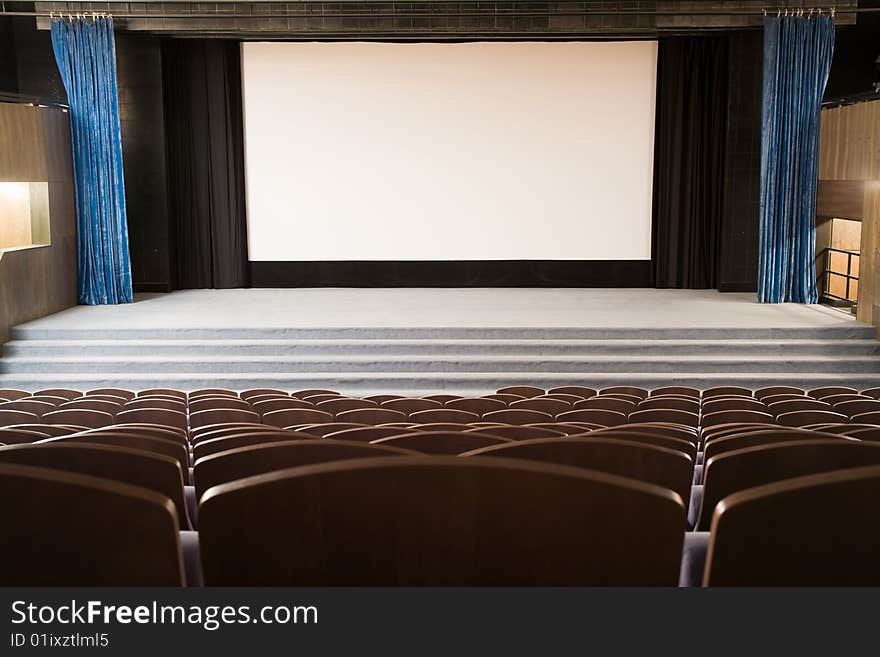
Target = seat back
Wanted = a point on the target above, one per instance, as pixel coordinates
(252, 460)
(68, 529)
(441, 521)
(656, 465)
(737, 470)
(476, 405)
(216, 445)
(817, 530)
(441, 442)
(169, 448)
(149, 470)
(760, 437)
(521, 432)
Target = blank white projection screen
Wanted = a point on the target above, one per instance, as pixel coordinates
(470, 151)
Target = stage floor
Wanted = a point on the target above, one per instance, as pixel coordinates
(444, 307)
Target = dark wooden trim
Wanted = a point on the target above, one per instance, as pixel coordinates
(469, 273)
(151, 287)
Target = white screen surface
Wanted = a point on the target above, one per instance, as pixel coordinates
(471, 151)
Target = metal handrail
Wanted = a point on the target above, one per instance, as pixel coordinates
(822, 277)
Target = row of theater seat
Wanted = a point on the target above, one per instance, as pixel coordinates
(554, 501)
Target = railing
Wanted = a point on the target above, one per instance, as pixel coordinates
(823, 276)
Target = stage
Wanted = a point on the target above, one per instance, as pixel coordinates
(418, 341)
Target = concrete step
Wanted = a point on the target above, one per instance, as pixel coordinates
(434, 347)
(848, 331)
(468, 383)
(439, 365)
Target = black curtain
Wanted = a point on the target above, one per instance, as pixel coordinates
(689, 149)
(205, 153)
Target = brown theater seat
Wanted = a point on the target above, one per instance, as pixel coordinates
(367, 434)
(216, 445)
(737, 470)
(632, 391)
(252, 460)
(8, 418)
(441, 442)
(263, 405)
(443, 415)
(522, 391)
(164, 403)
(38, 408)
(217, 403)
(770, 391)
(113, 392)
(727, 391)
(477, 405)
(411, 405)
(446, 521)
(579, 391)
(520, 431)
(727, 417)
(678, 403)
(66, 393)
(655, 465)
(167, 392)
(247, 395)
(149, 470)
(517, 416)
(817, 530)
(593, 416)
(79, 417)
(9, 394)
(77, 530)
(766, 437)
(88, 404)
(158, 416)
(9, 436)
(669, 415)
(222, 415)
(170, 448)
(212, 392)
(682, 391)
(646, 437)
(341, 404)
(372, 416)
(716, 404)
(321, 430)
(542, 404)
(290, 417)
(803, 418)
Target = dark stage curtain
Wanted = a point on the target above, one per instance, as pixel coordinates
(689, 160)
(205, 151)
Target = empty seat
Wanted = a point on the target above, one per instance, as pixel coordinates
(80, 417)
(216, 445)
(728, 417)
(477, 405)
(149, 470)
(160, 416)
(765, 437)
(870, 392)
(517, 416)
(579, 391)
(672, 416)
(441, 442)
(9, 436)
(220, 415)
(443, 415)
(229, 429)
(340, 404)
(791, 405)
(505, 397)
(678, 403)
(770, 391)
(302, 394)
(151, 430)
(593, 416)
(607, 403)
(216, 403)
(163, 403)
(367, 434)
(28, 406)
(321, 430)
(242, 462)
(8, 418)
(682, 391)
(260, 392)
(162, 392)
(519, 432)
(212, 392)
(522, 391)
(505, 522)
(716, 404)
(89, 404)
(372, 416)
(856, 407)
(9, 394)
(384, 398)
(737, 470)
(293, 416)
(263, 406)
(543, 404)
(66, 393)
(656, 465)
(803, 418)
(646, 437)
(443, 398)
(410, 405)
(632, 391)
(817, 530)
(170, 448)
(866, 433)
(50, 430)
(821, 393)
(76, 530)
(726, 391)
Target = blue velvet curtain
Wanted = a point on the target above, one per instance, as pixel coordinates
(86, 54)
(797, 58)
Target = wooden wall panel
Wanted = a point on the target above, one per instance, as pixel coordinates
(849, 147)
(841, 198)
(869, 275)
(38, 281)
